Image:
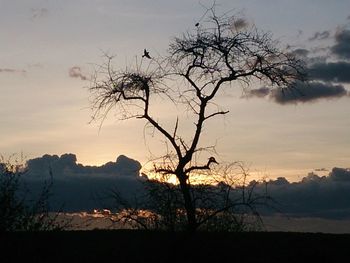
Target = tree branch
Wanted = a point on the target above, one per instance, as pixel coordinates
(216, 113)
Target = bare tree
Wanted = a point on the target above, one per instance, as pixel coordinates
(202, 63)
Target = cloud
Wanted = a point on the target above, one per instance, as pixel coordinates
(300, 52)
(299, 93)
(313, 196)
(66, 166)
(82, 188)
(10, 70)
(326, 79)
(279, 181)
(307, 92)
(75, 72)
(342, 47)
(320, 35)
(257, 93)
(334, 72)
(340, 174)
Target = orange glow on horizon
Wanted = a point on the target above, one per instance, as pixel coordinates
(258, 174)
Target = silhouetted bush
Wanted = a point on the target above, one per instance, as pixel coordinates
(21, 210)
(224, 203)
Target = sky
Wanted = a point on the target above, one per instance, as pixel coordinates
(49, 50)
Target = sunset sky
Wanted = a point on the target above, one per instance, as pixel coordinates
(49, 49)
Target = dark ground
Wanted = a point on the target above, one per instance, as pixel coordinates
(143, 246)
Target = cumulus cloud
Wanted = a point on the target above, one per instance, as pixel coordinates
(75, 72)
(342, 47)
(66, 166)
(308, 92)
(313, 196)
(78, 187)
(320, 35)
(84, 188)
(333, 72)
(10, 70)
(340, 174)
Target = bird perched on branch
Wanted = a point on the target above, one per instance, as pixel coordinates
(211, 160)
(197, 24)
(146, 54)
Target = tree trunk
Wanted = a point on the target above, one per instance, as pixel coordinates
(189, 205)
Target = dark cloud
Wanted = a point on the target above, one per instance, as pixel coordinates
(325, 78)
(257, 93)
(342, 47)
(320, 35)
(300, 52)
(81, 188)
(75, 72)
(333, 72)
(84, 188)
(67, 166)
(10, 70)
(313, 196)
(307, 92)
(279, 181)
(317, 59)
(340, 175)
(299, 92)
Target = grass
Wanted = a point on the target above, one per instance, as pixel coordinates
(143, 246)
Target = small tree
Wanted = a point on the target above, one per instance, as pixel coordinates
(207, 60)
(19, 210)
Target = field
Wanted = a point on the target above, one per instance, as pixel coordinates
(143, 246)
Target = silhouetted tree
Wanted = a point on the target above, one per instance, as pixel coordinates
(19, 209)
(202, 63)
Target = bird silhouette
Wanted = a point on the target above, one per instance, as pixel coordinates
(211, 160)
(146, 54)
(197, 24)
